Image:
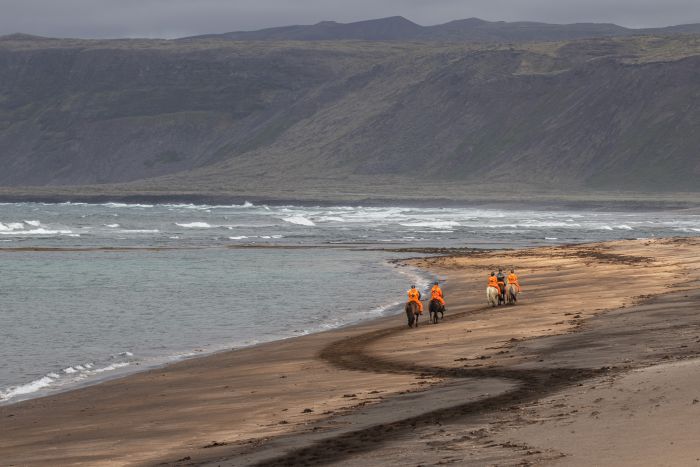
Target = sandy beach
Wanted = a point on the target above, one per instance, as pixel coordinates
(597, 364)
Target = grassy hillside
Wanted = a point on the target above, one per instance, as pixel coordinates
(347, 118)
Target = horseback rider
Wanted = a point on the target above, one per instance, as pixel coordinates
(501, 283)
(493, 281)
(513, 279)
(436, 294)
(414, 296)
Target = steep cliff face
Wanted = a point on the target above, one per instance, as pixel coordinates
(211, 114)
(101, 114)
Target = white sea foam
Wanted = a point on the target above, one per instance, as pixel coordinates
(299, 220)
(26, 388)
(240, 237)
(623, 227)
(605, 227)
(70, 370)
(111, 367)
(112, 226)
(332, 219)
(139, 231)
(195, 225)
(33, 232)
(125, 205)
(433, 224)
(11, 226)
(33, 223)
(551, 238)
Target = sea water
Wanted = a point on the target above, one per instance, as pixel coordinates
(90, 291)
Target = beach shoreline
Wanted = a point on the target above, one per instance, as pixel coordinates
(299, 399)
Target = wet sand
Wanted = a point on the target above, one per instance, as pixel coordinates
(596, 365)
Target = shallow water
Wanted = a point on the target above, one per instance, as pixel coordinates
(72, 317)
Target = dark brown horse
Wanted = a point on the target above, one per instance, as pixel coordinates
(412, 313)
(435, 308)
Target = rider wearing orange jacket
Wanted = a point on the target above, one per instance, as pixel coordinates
(493, 282)
(513, 279)
(436, 293)
(414, 296)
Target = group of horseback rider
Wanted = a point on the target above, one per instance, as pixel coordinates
(497, 281)
(435, 294)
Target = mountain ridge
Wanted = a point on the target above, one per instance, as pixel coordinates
(350, 119)
(469, 29)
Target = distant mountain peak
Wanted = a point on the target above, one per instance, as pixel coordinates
(395, 28)
(22, 37)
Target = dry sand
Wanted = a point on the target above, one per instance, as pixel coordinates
(596, 365)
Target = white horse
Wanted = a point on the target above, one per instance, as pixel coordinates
(492, 294)
(511, 294)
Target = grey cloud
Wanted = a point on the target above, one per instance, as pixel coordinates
(177, 18)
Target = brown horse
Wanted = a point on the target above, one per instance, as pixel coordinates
(435, 308)
(412, 313)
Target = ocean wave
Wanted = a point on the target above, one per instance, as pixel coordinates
(139, 231)
(299, 220)
(195, 225)
(126, 205)
(112, 226)
(110, 367)
(623, 227)
(33, 223)
(240, 237)
(28, 388)
(432, 224)
(67, 375)
(605, 227)
(11, 226)
(40, 231)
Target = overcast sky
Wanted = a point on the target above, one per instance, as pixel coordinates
(177, 18)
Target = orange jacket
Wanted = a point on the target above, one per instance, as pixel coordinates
(414, 295)
(513, 279)
(436, 292)
(493, 282)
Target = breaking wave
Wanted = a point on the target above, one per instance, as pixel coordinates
(195, 225)
(299, 220)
